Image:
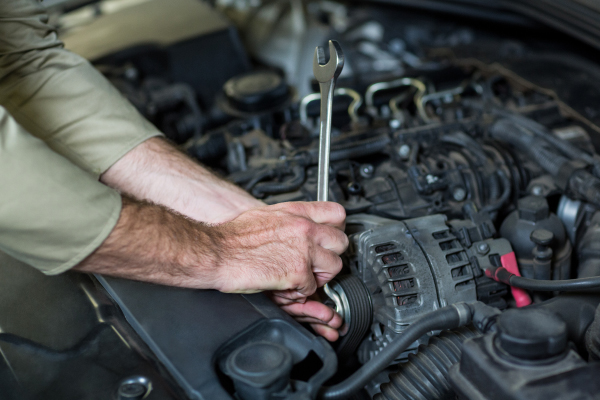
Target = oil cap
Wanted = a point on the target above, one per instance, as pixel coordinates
(259, 369)
(531, 333)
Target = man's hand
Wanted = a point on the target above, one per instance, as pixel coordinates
(321, 318)
(157, 172)
(291, 248)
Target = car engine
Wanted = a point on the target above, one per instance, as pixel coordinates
(466, 158)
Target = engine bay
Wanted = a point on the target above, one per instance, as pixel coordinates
(463, 157)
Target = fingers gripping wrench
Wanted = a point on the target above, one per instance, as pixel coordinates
(326, 74)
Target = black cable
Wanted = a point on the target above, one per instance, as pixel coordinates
(501, 274)
(539, 285)
(449, 317)
(357, 149)
(259, 176)
(505, 130)
(266, 188)
(507, 186)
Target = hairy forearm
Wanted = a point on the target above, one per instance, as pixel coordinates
(153, 244)
(158, 172)
(288, 247)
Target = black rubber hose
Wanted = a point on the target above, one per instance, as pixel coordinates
(353, 150)
(585, 186)
(208, 148)
(259, 176)
(506, 192)
(493, 187)
(195, 147)
(542, 132)
(449, 317)
(189, 98)
(507, 131)
(577, 310)
(539, 285)
(425, 375)
(463, 140)
(262, 189)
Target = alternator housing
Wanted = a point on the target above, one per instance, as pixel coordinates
(411, 268)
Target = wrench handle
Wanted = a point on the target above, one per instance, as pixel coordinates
(327, 89)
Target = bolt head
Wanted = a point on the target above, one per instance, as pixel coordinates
(459, 193)
(483, 248)
(537, 190)
(366, 170)
(132, 390)
(404, 151)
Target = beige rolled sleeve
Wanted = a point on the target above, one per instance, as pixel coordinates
(67, 125)
(61, 98)
(52, 213)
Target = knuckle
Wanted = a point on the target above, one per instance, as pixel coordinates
(303, 226)
(293, 207)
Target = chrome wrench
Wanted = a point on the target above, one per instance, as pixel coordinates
(326, 74)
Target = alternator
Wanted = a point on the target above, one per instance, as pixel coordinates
(413, 267)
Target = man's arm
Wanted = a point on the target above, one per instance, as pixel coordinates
(290, 248)
(158, 172)
(54, 216)
(295, 252)
(60, 98)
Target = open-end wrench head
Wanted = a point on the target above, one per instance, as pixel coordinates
(325, 72)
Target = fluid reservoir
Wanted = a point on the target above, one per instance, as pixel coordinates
(533, 214)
